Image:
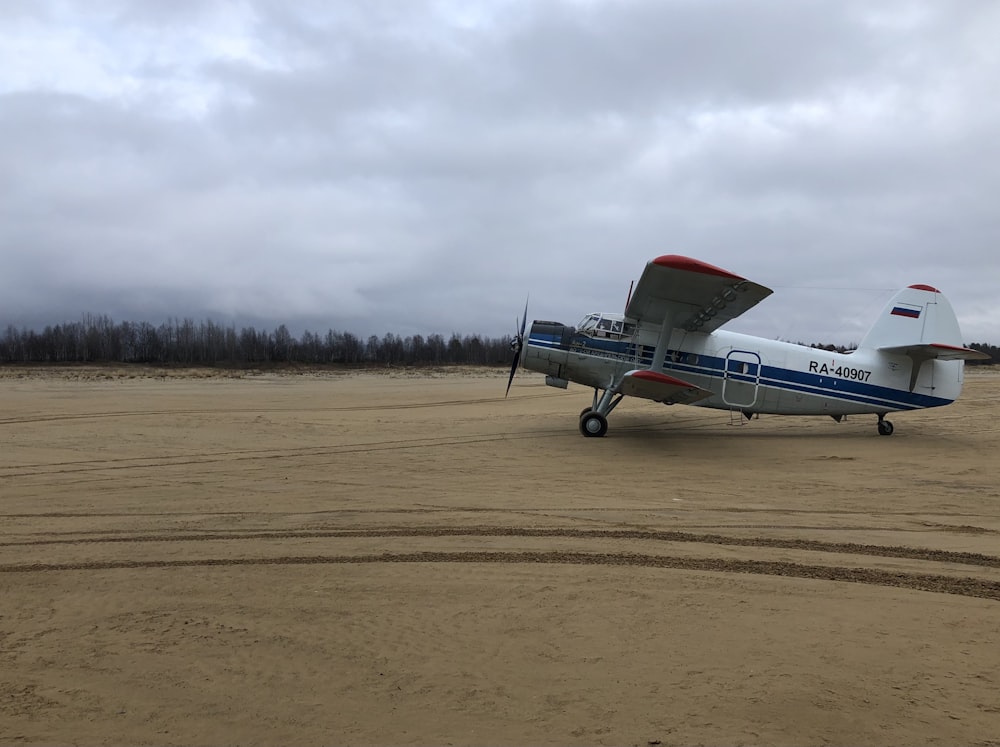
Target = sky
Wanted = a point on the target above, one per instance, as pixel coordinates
(425, 166)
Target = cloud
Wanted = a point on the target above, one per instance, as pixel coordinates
(421, 167)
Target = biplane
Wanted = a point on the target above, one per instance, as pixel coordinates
(668, 346)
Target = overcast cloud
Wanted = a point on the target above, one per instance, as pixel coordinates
(420, 166)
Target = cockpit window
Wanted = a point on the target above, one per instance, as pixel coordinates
(606, 325)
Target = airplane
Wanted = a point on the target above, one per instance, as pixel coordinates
(668, 347)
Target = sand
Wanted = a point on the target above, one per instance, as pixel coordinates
(196, 558)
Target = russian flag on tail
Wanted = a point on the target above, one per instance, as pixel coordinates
(907, 310)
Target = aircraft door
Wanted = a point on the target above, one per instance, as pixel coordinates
(741, 381)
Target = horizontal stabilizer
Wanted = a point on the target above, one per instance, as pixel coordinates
(920, 353)
(936, 351)
(661, 388)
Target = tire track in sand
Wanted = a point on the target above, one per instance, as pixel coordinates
(969, 587)
(39, 469)
(303, 452)
(936, 583)
(55, 417)
(846, 548)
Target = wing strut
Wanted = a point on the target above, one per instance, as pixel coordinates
(660, 354)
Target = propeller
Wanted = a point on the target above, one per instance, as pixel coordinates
(516, 345)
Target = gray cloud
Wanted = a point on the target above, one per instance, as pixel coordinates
(421, 167)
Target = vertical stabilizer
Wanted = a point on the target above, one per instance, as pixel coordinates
(916, 315)
(919, 323)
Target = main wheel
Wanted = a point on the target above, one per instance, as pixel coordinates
(885, 428)
(593, 424)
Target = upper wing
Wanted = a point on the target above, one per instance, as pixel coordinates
(696, 296)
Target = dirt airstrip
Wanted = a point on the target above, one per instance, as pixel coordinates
(366, 559)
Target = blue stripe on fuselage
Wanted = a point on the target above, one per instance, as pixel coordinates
(770, 376)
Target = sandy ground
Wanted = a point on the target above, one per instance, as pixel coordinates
(410, 559)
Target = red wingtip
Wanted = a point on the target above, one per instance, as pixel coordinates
(677, 262)
(922, 287)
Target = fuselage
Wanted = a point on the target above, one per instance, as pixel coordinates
(746, 373)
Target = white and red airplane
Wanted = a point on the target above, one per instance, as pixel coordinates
(668, 347)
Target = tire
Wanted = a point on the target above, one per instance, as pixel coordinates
(593, 424)
(885, 428)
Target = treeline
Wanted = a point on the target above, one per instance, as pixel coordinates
(97, 339)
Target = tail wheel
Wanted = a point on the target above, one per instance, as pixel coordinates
(593, 424)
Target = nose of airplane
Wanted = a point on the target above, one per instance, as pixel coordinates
(552, 334)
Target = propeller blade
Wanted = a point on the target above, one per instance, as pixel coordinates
(517, 344)
(513, 370)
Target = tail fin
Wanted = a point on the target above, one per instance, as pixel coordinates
(915, 315)
(918, 322)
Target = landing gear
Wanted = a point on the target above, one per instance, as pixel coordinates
(593, 424)
(884, 426)
(594, 419)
